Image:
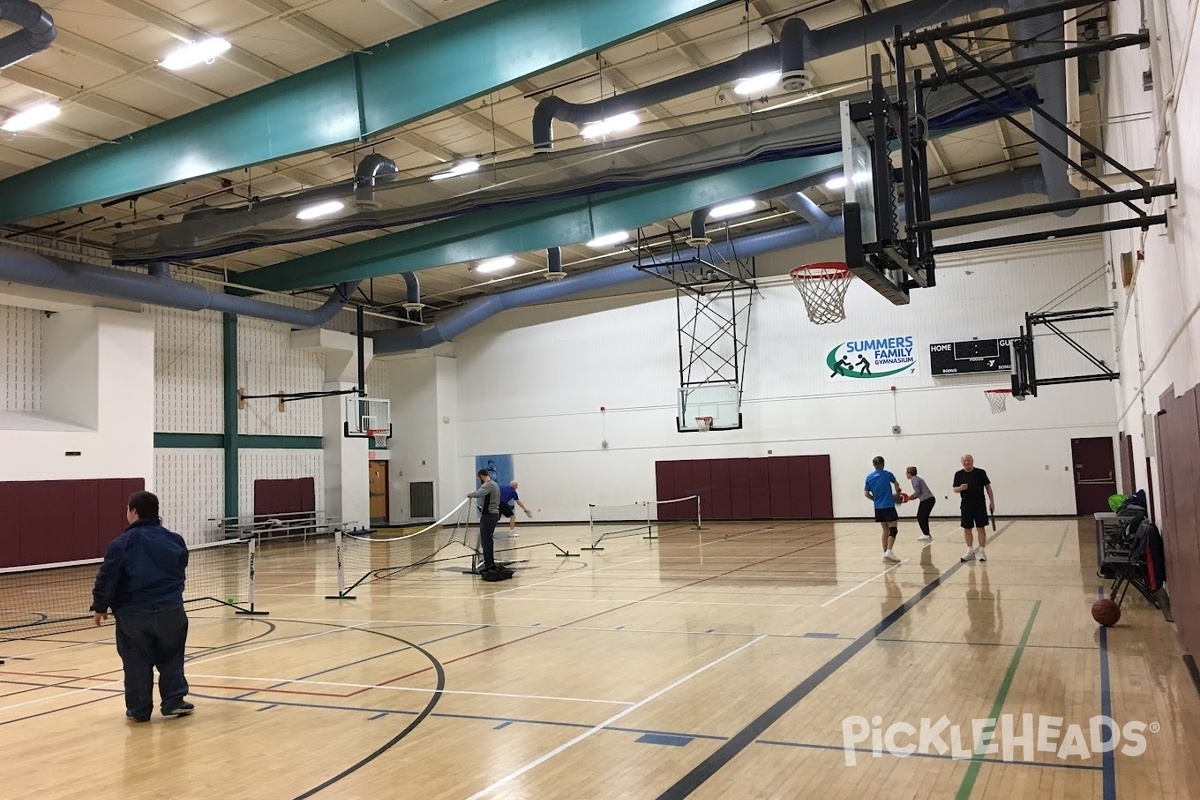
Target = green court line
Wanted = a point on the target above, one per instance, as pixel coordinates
(1062, 541)
(964, 791)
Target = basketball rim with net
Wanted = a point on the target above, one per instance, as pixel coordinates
(822, 286)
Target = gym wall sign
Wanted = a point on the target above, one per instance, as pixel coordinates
(872, 358)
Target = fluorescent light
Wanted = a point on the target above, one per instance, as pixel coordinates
(609, 239)
(732, 209)
(35, 115)
(318, 210)
(757, 83)
(495, 264)
(836, 183)
(621, 122)
(461, 168)
(193, 53)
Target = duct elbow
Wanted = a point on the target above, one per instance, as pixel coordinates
(793, 47)
(544, 114)
(372, 171)
(37, 34)
(697, 235)
(554, 267)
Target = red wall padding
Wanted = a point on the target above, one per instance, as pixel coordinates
(781, 487)
(47, 522)
(284, 496)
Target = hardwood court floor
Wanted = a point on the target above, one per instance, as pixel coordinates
(726, 663)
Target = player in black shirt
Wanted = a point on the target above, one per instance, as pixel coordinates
(970, 483)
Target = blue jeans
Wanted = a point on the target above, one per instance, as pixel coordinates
(148, 639)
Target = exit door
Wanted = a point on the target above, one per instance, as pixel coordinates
(1095, 474)
(379, 492)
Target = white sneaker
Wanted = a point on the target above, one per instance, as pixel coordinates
(925, 538)
(969, 555)
(982, 555)
(890, 556)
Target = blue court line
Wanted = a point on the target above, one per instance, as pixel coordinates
(1109, 758)
(267, 708)
(815, 635)
(869, 752)
(991, 644)
(664, 739)
(378, 713)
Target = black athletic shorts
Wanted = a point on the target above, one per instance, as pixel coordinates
(886, 514)
(506, 510)
(974, 517)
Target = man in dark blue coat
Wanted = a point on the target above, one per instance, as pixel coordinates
(141, 581)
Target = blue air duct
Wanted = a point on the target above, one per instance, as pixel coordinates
(798, 45)
(157, 288)
(36, 34)
(456, 322)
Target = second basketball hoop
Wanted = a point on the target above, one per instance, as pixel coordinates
(823, 286)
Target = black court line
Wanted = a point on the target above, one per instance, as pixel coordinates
(699, 774)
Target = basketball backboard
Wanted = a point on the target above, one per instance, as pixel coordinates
(368, 416)
(721, 401)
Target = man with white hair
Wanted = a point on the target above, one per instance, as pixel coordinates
(970, 483)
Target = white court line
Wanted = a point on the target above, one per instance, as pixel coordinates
(864, 583)
(589, 732)
(410, 689)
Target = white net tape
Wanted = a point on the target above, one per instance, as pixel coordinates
(996, 399)
(823, 289)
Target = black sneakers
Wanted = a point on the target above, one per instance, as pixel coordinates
(180, 709)
(495, 573)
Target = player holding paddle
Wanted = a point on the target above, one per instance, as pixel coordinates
(878, 489)
(970, 483)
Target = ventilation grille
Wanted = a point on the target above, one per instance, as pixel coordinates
(420, 499)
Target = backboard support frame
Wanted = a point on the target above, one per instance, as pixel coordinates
(1024, 377)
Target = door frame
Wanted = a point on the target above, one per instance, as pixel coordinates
(387, 490)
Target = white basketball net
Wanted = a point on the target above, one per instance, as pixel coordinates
(379, 437)
(996, 398)
(823, 289)
(704, 424)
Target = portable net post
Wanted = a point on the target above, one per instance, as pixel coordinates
(822, 287)
(251, 554)
(339, 556)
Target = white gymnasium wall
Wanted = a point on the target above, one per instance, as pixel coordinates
(1158, 334)
(277, 464)
(187, 372)
(532, 383)
(267, 364)
(191, 490)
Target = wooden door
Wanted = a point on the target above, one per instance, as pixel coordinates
(379, 491)
(1095, 473)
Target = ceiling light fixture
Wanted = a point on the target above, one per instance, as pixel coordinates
(34, 115)
(461, 168)
(757, 83)
(318, 210)
(608, 240)
(621, 122)
(836, 183)
(495, 264)
(731, 209)
(204, 51)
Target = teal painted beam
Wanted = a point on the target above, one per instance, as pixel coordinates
(214, 441)
(517, 230)
(249, 442)
(195, 441)
(356, 96)
(229, 373)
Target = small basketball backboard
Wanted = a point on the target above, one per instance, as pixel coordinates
(720, 402)
(368, 417)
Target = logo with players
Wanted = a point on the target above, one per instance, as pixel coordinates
(872, 358)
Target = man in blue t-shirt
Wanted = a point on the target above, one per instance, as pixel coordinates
(508, 496)
(879, 489)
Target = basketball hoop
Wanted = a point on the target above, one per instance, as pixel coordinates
(379, 436)
(996, 398)
(822, 286)
(704, 424)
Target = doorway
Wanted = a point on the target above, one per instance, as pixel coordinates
(1095, 474)
(379, 492)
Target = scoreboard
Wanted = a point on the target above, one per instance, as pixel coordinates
(976, 355)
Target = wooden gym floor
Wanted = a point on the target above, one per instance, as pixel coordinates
(725, 663)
